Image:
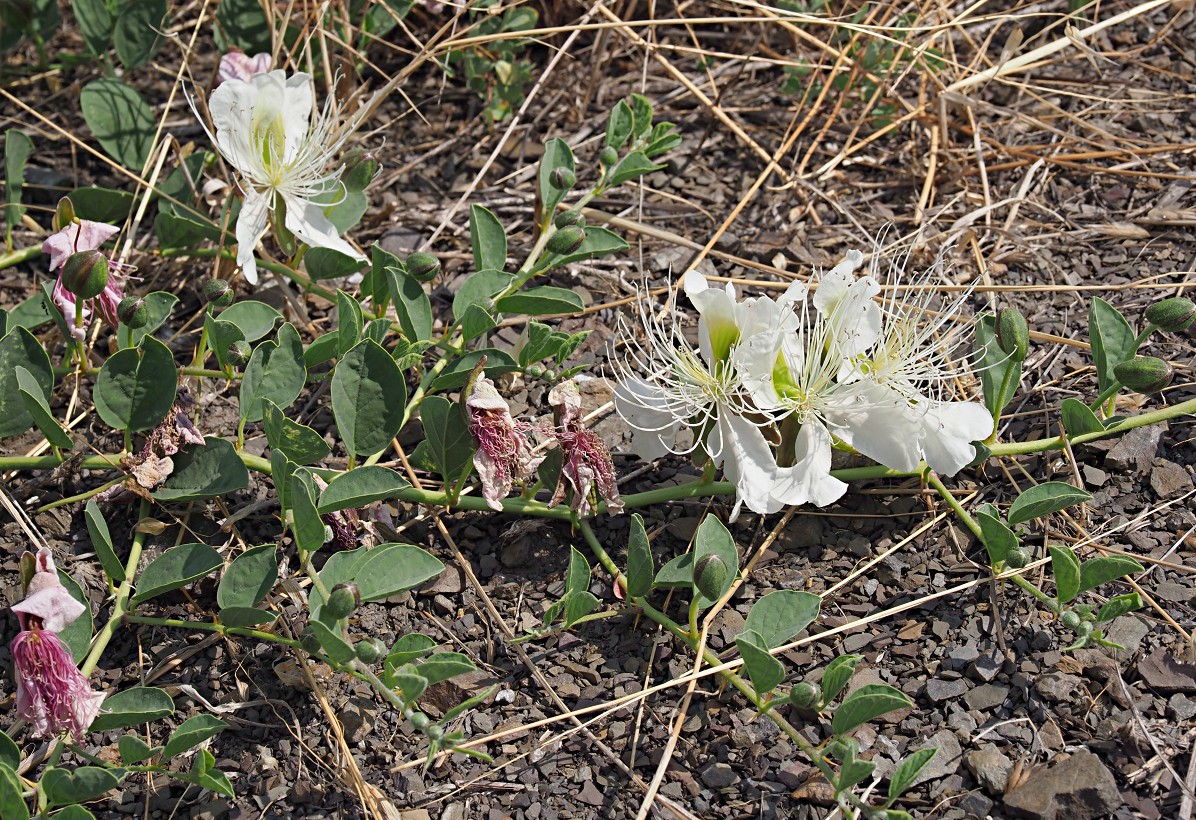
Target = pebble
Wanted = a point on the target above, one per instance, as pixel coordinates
(1168, 479)
(1079, 788)
(1058, 686)
(1181, 708)
(719, 776)
(986, 696)
(945, 762)
(590, 794)
(986, 667)
(940, 690)
(1136, 449)
(1162, 671)
(990, 768)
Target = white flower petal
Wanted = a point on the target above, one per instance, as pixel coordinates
(950, 428)
(747, 461)
(307, 221)
(879, 423)
(809, 480)
(251, 225)
(718, 330)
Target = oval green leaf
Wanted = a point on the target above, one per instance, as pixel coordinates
(176, 568)
(132, 707)
(368, 396)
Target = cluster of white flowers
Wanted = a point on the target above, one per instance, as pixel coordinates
(775, 383)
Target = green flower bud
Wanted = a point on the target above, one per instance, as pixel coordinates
(1145, 374)
(85, 274)
(238, 353)
(549, 374)
(569, 218)
(609, 156)
(219, 293)
(567, 240)
(562, 179)
(132, 312)
(1172, 315)
(309, 641)
(420, 721)
(360, 168)
(1017, 558)
(433, 733)
(1084, 629)
(805, 695)
(423, 267)
(64, 214)
(370, 650)
(534, 371)
(1013, 334)
(1070, 619)
(342, 600)
(710, 573)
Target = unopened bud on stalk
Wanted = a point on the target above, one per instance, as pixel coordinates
(609, 156)
(423, 267)
(1084, 629)
(570, 218)
(1145, 374)
(420, 721)
(1013, 334)
(370, 650)
(1070, 619)
(132, 312)
(309, 641)
(85, 274)
(534, 371)
(1172, 315)
(805, 695)
(64, 214)
(342, 600)
(238, 353)
(567, 240)
(360, 169)
(710, 573)
(1016, 558)
(219, 293)
(562, 179)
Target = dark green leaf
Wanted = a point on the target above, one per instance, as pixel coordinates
(133, 707)
(541, 301)
(176, 568)
(412, 305)
(465, 705)
(333, 642)
(192, 732)
(488, 238)
(389, 569)
(275, 372)
(445, 665)
(765, 671)
(12, 804)
(359, 487)
(101, 542)
(619, 126)
(221, 336)
(95, 24)
(255, 319)
(133, 749)
(102, 204)
(633, 166)
(1101, 570)
(479, 289)
(1079, 419)
(714, 539)
(907, 772)
(1112, 340)
(992, 364)
(639, 560)
(838, 673)
(325, 263)
(409, 685)
(10, 753)
(1044, 499)
(204, 472)
(120, 119)
(598, 242)
(136, 387)
(998, 539)
(449, 444)
(409, 648)
(17, 148)
(180, 232)
(309, 529)
(368, 397)
(577, 579)
(851, 773)
(298, 442)
(1118, 606)
(77, 634)
(455, 375)
(347, 212)
(249, 577)
(136, 32)
(780, 615)
(475, 321)
(578, 604)
(62, 787)
(864, 704)
(39, 409)
(243, 24)
(349, 322)
(245, 616)
(20, 348)
(322, 349)
(1066, 568)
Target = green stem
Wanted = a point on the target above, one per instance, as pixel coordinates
(60, 370)
(293, 275)
(1050, 602)
(1003, 397)
(932, 478)
(7, 260)
(81, 496)
(205, 626)
(120, 606)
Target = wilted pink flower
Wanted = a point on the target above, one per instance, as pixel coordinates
(504, 454)
(237, 65)
(51, 692)
(85, 235)
(586, 462)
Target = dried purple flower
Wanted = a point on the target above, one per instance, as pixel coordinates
(586, 462)
(504, 454)
(51, 692)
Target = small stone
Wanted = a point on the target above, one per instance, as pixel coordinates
(1168, 479)
(357, 717)
(1058, 686)
(939, 690)
(448, 582)
(986, 667)
(590, 794)
(1181, 708)
(988, 696)
(1136, 449)
(990, 768)
(214, 810)
(963, 655)
(1128, 631)
(1079, 788)
(414, 814)
(1171, 591)
(945, 762)
(976, 806)
(1161, 670)
(453, 811)
(1093, 476)
(793, 774)
(719, 776)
